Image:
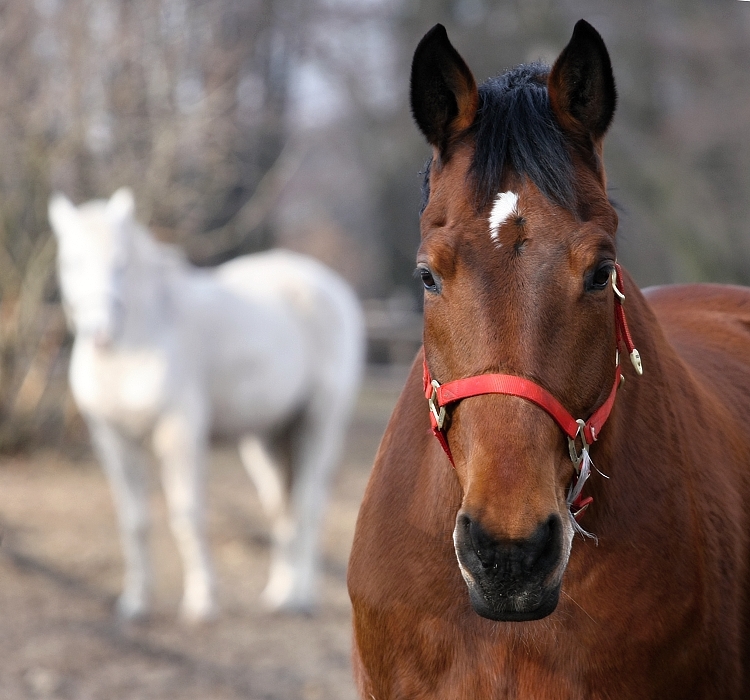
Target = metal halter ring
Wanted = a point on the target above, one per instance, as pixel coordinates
(437, 411)
(575, 456)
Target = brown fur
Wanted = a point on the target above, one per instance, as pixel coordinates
(659, 607)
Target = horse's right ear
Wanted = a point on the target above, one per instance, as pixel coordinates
(444, 96)
(121, 205)
(61, 212)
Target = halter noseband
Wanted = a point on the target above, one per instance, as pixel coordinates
(441, 395)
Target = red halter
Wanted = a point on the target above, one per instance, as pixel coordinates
(440, 395)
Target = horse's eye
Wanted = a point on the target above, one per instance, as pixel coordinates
(427, 279)
(600, 278)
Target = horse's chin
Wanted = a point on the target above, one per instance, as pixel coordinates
(514, 608)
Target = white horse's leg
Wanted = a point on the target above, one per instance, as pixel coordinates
(123, 462)
(268, 472)
(316, 448)
(180, 445)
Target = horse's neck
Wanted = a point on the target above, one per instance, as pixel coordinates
(149, 291)
(638, 444)
(640, 395)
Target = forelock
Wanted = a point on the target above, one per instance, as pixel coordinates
(515, 132)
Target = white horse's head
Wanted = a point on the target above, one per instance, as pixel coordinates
(94, 244)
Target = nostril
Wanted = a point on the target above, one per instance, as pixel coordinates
(516, 558)
(544, 545)
(482, 544)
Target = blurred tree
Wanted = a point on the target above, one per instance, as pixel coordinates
(678, 154)
(184, 100)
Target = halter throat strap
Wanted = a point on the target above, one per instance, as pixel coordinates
(441, 395)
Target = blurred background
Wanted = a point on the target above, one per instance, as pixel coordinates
(246, 124)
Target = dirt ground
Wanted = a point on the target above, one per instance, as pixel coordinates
(60, 572)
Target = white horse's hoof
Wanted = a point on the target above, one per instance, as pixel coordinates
(132, 609)
(288, 603)
(198, 614)
(294, 607)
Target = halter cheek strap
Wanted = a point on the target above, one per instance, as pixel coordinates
(441, 395)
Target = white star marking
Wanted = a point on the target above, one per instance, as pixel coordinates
(502, 209)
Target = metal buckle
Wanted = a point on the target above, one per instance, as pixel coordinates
(578, 513)
(575, 456)
(438, 412)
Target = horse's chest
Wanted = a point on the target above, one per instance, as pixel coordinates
(447, 657)
(128, 387)
(446, 665)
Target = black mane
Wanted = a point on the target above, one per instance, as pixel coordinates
(516, 131)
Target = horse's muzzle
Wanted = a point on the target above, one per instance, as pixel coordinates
(511, 580)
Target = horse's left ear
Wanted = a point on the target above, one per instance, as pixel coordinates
(444, 96)
(582, 87)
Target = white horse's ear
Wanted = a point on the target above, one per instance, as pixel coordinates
(62, 213)
(121, 205)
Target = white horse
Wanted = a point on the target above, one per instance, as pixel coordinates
(266, 348)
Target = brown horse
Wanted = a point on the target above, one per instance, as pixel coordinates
(469, 582)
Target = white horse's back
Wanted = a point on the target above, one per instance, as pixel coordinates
(269, 330)
(321, 302)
